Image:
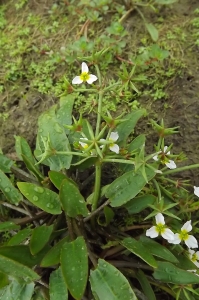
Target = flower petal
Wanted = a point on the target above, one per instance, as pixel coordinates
(84, 68)
(165, 150)
(152, 232)
(191, 252)
(155, 157)
(77, 80)
(115, 148)
(196, 190)
(114, 136)
(187, 226)
(159, 219)
(176, 239)
(191, 242)
(168, 234)
(91, 79)
(171, 164)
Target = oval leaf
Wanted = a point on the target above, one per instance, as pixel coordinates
(41, 197)
(16, 290)
(5, 163)
(72, 201)
(138, 204)
(107, 282)
(167, 272)
(19, 237)
(127, 186)
(152, 31)
(57, 178)
(138, 249)
(53, 256)
(57, 286)
(158, 250)
(74, 265)
(9, 191)
(40, 237)
(15, 269)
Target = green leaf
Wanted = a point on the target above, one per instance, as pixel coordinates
(49, 127)
(57, 178)
(138, 204)
(21, 254)
(152, 31)
(126, 128)
(64, 113)
(24, 153)
(165, 1)
(3, 280)
(41, 197)
(167, 272)
(9, 191)
(74, 265)
(22, 148)
(5, 163)
(72, 201)
(137, 143)
(157, 249)
(57, 286)
(19, 237)
(31, 167)
(8, 226)
(53, 256)
(109, 283)
(40, 237)
(146, 287)
(17, 270)
(16, 290)
(138, 249)
(127, 186)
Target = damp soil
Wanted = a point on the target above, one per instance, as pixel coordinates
(182, 104)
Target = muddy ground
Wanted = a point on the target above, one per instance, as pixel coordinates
(183, 100)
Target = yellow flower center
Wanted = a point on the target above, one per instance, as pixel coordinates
(160, 228)
(184, 235)
(84, 76)
(194, 257)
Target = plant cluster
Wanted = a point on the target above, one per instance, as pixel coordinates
(66, 236)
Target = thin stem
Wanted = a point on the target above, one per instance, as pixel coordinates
(96, 211)
(122, 161)
(98, 171)
(71, 153)
(181, 169)
(158, 190)
(99, 111)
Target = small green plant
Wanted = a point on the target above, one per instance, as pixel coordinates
(69, 211)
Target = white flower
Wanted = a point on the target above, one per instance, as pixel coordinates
(194, 257)
(85, 76)
(196, 190)
(189, 240)
(84, 145)
(160, 228)
(163, 158)
(112, 146)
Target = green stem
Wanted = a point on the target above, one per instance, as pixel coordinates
(122, 161)
(70, 153)
(98, 171)
(158, 190)
(99, 108)
(181, 169)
